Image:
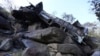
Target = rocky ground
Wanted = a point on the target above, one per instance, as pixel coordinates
(50, 41)
(24, 34)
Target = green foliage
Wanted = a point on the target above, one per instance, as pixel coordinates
(96, 7)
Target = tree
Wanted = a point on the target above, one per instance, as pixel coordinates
(96, 7)
(93, 29)
(68, 17)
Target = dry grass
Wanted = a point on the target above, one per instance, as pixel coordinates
(92, 34)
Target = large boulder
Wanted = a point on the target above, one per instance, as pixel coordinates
(6, 45)
(34, 27)
(68, 39)
(69, 49)
(47, 35)
(87, 49)
(58, 54)
(89, 41)
(34, 48)
(96, 53)
(52, 49)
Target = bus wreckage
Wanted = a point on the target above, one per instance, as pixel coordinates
(38, 14)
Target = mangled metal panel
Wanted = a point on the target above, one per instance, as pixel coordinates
(43, 16)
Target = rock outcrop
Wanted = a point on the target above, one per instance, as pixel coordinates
(26, 34)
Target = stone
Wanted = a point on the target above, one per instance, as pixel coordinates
(29, 52)
(35, 48)
(17, 27)
(4, 19)
(68, 39)
(87, 49)
(52, 53)
(16, 53)
(67, 55)
(6, 45)
(5, 54)
(52, 47)
(34, 27)
(10, 53)
(88, 40)
(58, 54)
(3, 37)
(47, 35)
(69, 48)
(34, 52)
(30, 43)
(96, 53)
